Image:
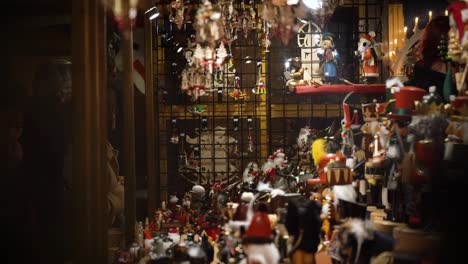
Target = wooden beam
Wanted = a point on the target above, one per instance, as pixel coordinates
(90, 183)
(128, 146)
(153, 183)
(159, 108)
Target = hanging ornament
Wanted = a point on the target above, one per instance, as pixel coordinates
(282, 20)
(260, 86)
(265, 36)
(221, 54)
(237, 94)
(196, 110)
(196, 81)
(208, 62)
(250, 138)
(183, 160)
(199, 53)
(208, 25)
(197, 77)
(229, 22)
(177, 13)
(285, 28)
(205, 57)
(218, 78)
(323, 13)
(247, 21)
(229, 73)
(251, 143)
(174, 138)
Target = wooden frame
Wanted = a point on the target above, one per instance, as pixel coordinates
(90, 183)
(128, 146)
(153, 182)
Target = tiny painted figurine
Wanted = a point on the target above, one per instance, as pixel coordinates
(368, 57)
(259, 88)
(238, 93)
(297, 75)
(328, 59)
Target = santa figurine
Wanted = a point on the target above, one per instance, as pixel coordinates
(269, 169)
(257, 243)
(368, 57)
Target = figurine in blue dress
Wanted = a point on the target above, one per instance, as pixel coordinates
(328, 59)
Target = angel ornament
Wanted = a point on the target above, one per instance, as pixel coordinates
(177, 13)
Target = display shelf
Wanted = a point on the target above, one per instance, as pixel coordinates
(341, 88)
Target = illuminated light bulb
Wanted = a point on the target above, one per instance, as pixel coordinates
(313, 4)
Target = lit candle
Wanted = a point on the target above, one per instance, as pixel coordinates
(405, 29)
(416, 20)
(430, 15)
(446, 12)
